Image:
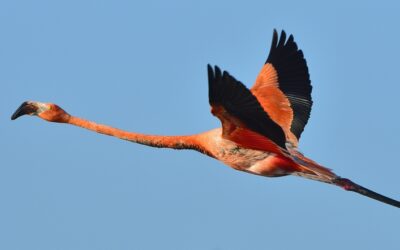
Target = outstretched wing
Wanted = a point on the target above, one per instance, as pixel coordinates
(283, 87)
(239, 110)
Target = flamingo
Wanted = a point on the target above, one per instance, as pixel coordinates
(260, 127)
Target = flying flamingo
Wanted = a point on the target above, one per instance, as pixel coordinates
(261, 127)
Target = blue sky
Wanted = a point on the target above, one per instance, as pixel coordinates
(142, 67)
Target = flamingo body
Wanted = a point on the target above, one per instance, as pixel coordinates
(254, 161)
(260, 127)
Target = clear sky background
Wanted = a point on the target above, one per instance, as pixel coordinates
(142, 67)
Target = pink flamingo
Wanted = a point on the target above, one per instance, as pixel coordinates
(261, 127)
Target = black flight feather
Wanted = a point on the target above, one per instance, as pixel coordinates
(293, 78)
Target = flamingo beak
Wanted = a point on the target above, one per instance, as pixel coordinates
(26, 108)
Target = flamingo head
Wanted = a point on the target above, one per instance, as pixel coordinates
(47, 111)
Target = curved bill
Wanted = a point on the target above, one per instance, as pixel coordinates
(26, 108)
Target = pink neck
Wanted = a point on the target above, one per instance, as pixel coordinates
(175, 142)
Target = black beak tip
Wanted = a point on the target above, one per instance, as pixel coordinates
(23, 109)
(15, 116)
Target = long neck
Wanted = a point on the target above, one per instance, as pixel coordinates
(175, 142)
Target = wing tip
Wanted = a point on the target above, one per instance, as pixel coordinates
(279, 41)
(210, 71)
